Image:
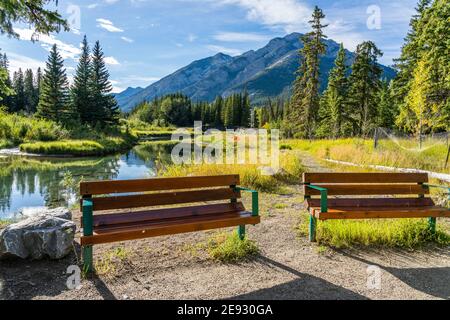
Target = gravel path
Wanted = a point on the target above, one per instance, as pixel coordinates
(288, 267)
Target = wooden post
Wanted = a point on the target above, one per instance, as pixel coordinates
(88, 230)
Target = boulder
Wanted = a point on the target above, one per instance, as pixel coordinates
(50, 233)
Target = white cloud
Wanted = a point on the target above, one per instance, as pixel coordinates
(240, 37)
(111, 1)
(93, 6)
(192, 37)
(108, 25)
(289, 14)
(47, 41)
(127, 39)
(17, 61)
(230, 51)
(112, 61)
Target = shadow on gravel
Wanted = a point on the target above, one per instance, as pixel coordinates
(27, 279)
(306, 287)
(434, 281)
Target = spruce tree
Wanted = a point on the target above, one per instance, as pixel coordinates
(54, 101)
(30, 92)
(364, 86)
(306, 97)
(333, 109)
(6, 90)
(387, 111)
(19, 89)
(80, 91)
(104, 106)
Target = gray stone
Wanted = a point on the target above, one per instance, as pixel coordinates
(50, 234)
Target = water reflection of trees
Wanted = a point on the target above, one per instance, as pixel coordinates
(31, 176)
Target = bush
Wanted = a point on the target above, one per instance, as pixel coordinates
(402, 233)
(227, 247)
(18, 129)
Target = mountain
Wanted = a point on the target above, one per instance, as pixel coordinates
(266, 72)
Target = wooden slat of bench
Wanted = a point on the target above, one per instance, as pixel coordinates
(156, 184)
(150, 215)
(161, 229)
(370, 189)
(166, 222)
(371, 177)
(166, 198)
(381, 213)
(373, 202)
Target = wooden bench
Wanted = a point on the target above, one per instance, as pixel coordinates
(138, 220)
(400, 195)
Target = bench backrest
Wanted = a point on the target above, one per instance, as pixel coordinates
(159, 191)
(361, 184)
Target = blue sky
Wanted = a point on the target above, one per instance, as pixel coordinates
(145, 40)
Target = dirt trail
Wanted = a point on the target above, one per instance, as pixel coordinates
(288, 267)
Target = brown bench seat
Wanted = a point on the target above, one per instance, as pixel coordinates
(390, 197)
(143, 215)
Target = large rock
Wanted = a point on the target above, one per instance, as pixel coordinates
(50, 233)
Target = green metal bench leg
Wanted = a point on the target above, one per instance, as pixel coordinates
(88, 229)
(312, 228)
(88, 265)
(432, 224)
(241, 232)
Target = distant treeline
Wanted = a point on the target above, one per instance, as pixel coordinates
(178, 110)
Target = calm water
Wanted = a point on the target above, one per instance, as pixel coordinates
(27, 184)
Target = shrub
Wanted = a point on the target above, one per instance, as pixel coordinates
(227, 247)
(403, 233)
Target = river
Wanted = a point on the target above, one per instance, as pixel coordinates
(30, 183)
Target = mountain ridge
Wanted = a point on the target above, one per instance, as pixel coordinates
(265, 72)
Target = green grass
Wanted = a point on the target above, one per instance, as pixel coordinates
(228, 248)
(77, 147)
(107, 264)
(403, 154)
(17, 129)
(401, 233)
(250, 174)
(6, 144)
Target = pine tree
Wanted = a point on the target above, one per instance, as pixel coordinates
(19, 89)
(426, 48)
(218, 107)
(30, 92)
(245, 113)
(387, 111)
(80, 91)
(54, 98)
(333, 109)
(6, 90)
(37, 85)
(305, 100)
(364, 86)
(104, 106)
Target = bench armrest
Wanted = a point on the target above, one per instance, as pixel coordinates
(323, 196)
(255, 203)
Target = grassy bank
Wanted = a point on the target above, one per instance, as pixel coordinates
(103, 146)
(388, 153)
(40, 136)
(251, 174)
(404, 233)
